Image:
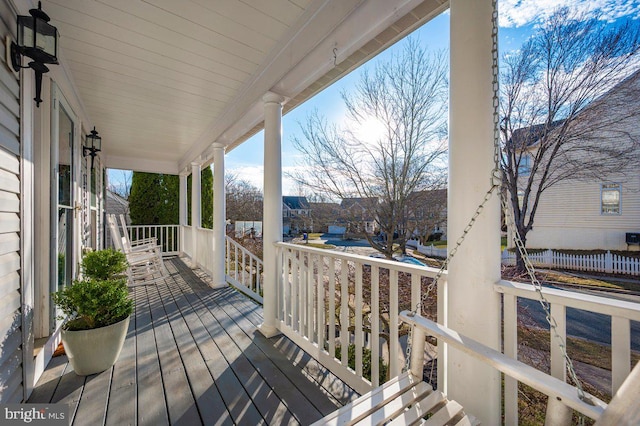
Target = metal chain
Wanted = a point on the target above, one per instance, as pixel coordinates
(531, 272)
(496, 182)
(496, 175)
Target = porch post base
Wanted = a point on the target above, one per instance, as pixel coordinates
(268, 331)
(219, 285)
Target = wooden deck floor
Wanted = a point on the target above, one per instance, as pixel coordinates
(193, 356)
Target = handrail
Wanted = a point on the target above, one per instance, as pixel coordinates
(524, 373)
(571, 299)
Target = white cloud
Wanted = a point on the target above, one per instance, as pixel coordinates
(517, 13)
(254, 174)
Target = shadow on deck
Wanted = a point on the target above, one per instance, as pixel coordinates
(193, 355)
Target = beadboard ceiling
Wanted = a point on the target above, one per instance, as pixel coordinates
(164, 79)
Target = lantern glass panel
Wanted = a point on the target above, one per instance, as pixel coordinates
(25, 31)
(96, 142)
(47, 39)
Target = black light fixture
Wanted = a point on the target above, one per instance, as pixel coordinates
(38, 40)
(93, 145)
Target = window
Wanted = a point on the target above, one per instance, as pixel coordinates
(610, 196)
(524, 167)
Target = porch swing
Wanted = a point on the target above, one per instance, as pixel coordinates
(407, 400)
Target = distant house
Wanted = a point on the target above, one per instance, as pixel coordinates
(296, 214)
(358, 215)
(325, 217)
(116, 205)
(427, 215)
(598, 212)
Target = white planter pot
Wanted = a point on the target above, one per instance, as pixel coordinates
(93, 351)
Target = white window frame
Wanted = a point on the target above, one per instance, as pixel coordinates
(610, 187)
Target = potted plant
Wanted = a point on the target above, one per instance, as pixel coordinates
(97, 310)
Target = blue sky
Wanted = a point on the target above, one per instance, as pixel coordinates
(517, 22)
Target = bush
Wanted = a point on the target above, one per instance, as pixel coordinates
(106, 264)
(94, 303)
(366, 362)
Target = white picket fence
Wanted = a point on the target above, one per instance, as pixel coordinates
(604, 262)
(429, 250)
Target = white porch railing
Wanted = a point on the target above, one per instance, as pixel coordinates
(244, 269)
(621, 313)
(604, 262)
(329, 300)
(311, 313)
(168, 236)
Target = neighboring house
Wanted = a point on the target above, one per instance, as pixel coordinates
(325, 216)
(296, 215)
(358, 216)
(116, 205)
(597, 213)
(427, 215)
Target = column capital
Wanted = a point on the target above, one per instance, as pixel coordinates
(271, 97)
(218, 145)
(195, 164)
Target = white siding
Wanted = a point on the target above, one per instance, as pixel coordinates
(11, 344)
(569, 217)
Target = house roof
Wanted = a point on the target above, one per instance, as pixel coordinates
(362, 202)
(295, 203)
(115, 204)
(528, 137)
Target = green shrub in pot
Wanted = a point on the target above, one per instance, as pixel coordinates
(93, 303)
(97, 311)
(106, 264)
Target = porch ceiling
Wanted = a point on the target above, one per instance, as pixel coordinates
(162, 79)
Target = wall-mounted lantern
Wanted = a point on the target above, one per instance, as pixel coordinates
(93, 145)
(38, 40)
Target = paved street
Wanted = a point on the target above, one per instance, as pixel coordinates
(583, 324)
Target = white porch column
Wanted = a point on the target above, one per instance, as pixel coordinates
(183, 201)
(196, 211)
(473, 308)
(219, 216)
(272, 216)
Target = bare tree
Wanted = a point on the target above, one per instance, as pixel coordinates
(563, 108)
(244, 201)
(405, 97)
(121, 183)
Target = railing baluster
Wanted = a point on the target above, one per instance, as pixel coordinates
(320, 310)
(620, 351)
(286, 282)
(558, 362)
(394, 344)
(344, 312)
(332, 307)
(358, 319)
(310, 299)
(302, 291)
(511, 350)
(295, 274)
(375, 325)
